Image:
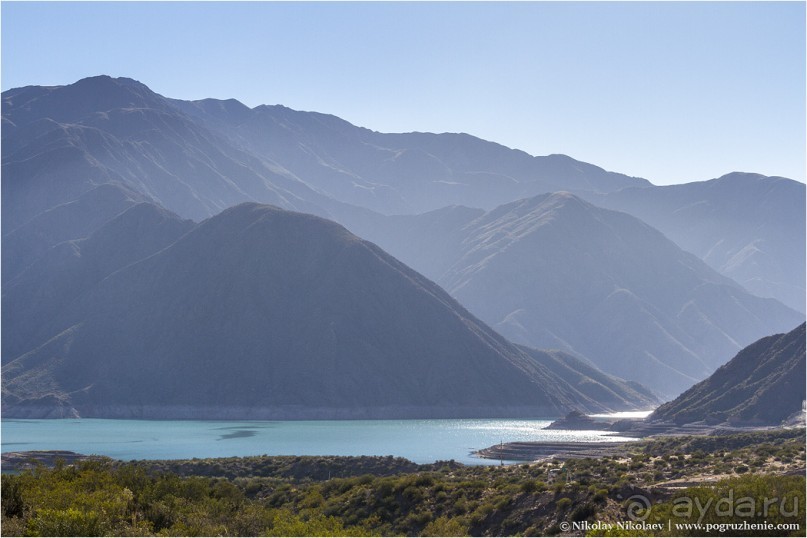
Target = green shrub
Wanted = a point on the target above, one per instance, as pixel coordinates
(563, 503)
(528, 486)
(583, 512)
(70, 522)
(446, 526)
(286, 523)
(12, 501)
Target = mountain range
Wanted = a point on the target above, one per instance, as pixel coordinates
(554, 271)
(197, 158)
(86, 164)
(745, 226)
(263, 313)
(396, 173)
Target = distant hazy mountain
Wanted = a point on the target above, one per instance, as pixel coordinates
(197, 158)
(72, 220)
(763, 384)
(554, 271)
(589, 382)
(607, 288)
(397, 173)
(263, 313)
(64, 272)
(747, 226)
(60, 142)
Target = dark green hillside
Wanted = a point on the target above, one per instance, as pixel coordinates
(763, 384)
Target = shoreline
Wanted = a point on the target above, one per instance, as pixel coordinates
(420, 440)
(17, 461)
(544, 450)
(514, 453)
(533, 451)
(513, 500)
(482, 451)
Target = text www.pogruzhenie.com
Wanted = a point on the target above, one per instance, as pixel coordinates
(670, 526)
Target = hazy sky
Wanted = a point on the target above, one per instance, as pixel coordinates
(672, 92)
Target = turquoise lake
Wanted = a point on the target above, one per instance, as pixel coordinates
(422, 441)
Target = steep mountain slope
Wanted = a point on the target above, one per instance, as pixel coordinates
(763, 384)
(76, 156)
(197, 158)
(262, 313)
(64, 222)
(429, 242)
(556, 272)
(64, 272)
(589, 382)
(397, 173)
(60, 142)
(746, 226)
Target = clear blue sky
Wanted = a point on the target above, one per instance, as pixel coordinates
(673, 92)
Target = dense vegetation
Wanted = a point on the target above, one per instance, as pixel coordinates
(294, 496)
(757, 440)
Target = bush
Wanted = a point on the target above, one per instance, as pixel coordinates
(502, 503)
(287, 524)
(446, 526)
(12, 502)
(583, 512)
(532, 486)
(563, 503)
(70, 522)
(756, 489)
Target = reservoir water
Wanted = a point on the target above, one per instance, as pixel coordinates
(422, 441)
